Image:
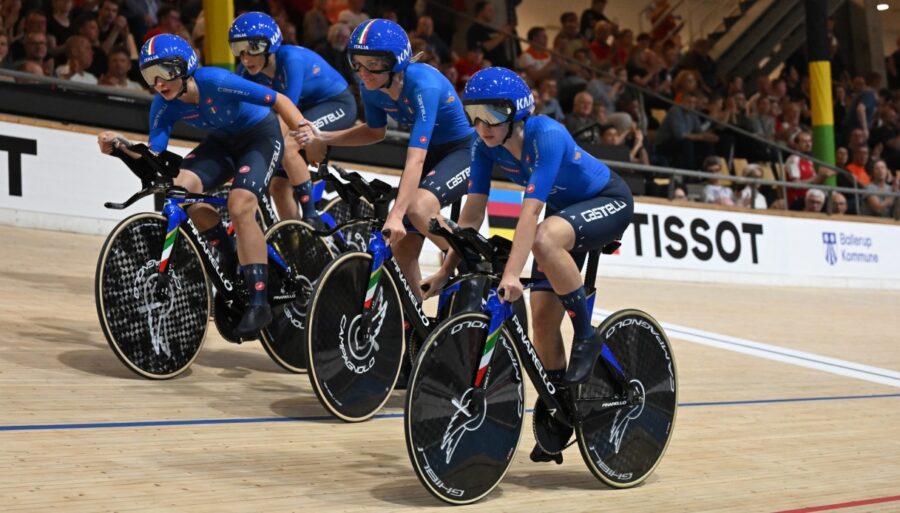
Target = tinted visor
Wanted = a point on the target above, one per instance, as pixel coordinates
(490, 113)
(166, 70)
(250, 46)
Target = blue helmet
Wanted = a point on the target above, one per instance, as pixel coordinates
(255, 33)
(167, 56)
(384, 38)
(502, 89)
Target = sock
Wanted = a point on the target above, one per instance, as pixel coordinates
(256, 276)
(303, 194)
(576, 306)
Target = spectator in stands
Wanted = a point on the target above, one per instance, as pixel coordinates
(10, 12)
(841, 157)
(79, 56)
(858, 139)
(604, 87)
(29, 67)
(35, 22)
(681, 138)
(858, 164)
(492, 41)
(59, 24)
(812, 201)
(289, 32)
(763, 90)
(881, 206)
(581, 122)
(36, 51)
(750, 196)
(536, 61)
(838, 203)
(885, 138)
(469, 64)
(714, 192)
(5, 57)
(86, 25)
(685, 82)
(315, 25)
(334, 50)
(893, 66)
(425, 31)
(568, 39)
(840, 104)
(622, 46)
(169, 23)
(800, 169)
(547, 92)
(861, 113)
(601, 50)
(698, 59)
(353, 15)
(114, 29)
(591, 16)
(118, 66)
(633, 138)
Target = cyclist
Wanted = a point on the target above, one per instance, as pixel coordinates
(437, 158)
(244, 142)
(306, 79)
(588, 206)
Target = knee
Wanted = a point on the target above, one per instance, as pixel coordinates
(544, 241)
(189, 180)
(423, 207)
(241, 204)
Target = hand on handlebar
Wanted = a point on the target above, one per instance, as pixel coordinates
(393, 230)
(109, 140)
(510, 288)
(432, 285)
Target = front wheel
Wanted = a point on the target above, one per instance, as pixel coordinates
(154, 322)
(284, 339)
(462, 439)
(623, 444)
(353, 367)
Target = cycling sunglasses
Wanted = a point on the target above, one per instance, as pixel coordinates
(491, 113)
(249, 46)
(166, 70)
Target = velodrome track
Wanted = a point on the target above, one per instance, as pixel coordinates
(790, 401)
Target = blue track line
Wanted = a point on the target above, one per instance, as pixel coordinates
(329, 418)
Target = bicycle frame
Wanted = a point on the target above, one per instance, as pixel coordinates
(558, 399)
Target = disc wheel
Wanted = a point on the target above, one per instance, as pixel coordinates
(459, 438)
(154, 322)
(306, 255)
(352, 371)
(623, 444)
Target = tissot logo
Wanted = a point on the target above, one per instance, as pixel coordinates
(16, 147)
(672, 234)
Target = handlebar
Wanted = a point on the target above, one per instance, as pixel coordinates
(473, 247)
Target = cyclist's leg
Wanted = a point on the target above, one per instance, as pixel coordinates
(258, 154)
(291, 182)
(208, 166)
(406, 253)
(581, 227)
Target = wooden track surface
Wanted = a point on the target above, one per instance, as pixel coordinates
(753, 433)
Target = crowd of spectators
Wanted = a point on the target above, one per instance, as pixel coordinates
(582, 78)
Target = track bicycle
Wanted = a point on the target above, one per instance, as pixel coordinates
(363, 315)
(465, 403)
(152, 280)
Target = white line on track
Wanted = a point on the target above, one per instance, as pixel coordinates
(780, 354)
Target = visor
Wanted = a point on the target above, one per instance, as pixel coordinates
(491, 114)
(166, 70)
(249, 46)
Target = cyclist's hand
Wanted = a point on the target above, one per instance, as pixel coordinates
(106, 141)
(305, 133)
(398, 231)
(512, 288)
(432, 285)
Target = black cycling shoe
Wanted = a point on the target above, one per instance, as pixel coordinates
(255, 318)
(538, 455)
(585, 353)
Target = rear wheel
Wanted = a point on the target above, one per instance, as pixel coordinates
(460, 439)
(154, 322)
(353, 372)
(285, 338)
(623, 444)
